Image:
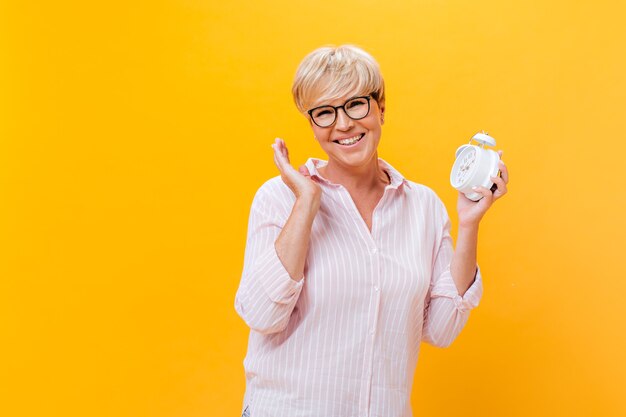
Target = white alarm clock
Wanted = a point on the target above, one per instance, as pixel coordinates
(474, 165)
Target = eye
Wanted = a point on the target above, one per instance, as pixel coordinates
(326, 111)
(356, 103)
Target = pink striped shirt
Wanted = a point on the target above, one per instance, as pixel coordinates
(344, 341)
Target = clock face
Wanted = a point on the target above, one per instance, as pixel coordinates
(464, 166)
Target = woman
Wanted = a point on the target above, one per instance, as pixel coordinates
(348, 265)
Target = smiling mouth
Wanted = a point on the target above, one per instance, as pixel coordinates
(350, 141)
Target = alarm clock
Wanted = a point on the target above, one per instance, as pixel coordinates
(475, 165)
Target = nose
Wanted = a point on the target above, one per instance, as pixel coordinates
(343, 121)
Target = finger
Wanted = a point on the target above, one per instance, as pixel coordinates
(501, 185)
(504, 171)
(285, 166)
(303, 170)
(501, 190)
(277, 148)
(487, 194)
(279, 145)
(277, 163)
(283, 149)
(278, 159)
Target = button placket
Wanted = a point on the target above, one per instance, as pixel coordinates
(376, 310)
(370, 238)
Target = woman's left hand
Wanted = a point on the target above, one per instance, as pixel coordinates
(471, 212)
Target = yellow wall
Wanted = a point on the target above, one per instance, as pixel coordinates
(133, 136)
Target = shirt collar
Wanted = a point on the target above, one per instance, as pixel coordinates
(397, 179)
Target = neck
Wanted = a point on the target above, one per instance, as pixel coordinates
(364, 177)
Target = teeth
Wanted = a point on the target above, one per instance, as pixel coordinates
(349, 141)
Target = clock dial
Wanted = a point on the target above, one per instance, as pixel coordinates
(466, 163)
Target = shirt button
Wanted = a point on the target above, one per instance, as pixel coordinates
(376, 288)
(374, 250)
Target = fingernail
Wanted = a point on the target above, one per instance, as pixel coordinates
(474, 188)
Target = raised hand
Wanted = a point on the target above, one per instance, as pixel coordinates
(300, 181)
(471, 212)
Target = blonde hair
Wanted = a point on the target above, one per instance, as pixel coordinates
(330, 72)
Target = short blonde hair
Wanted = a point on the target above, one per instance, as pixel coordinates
(330, 72)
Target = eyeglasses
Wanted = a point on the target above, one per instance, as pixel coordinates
(356, 108)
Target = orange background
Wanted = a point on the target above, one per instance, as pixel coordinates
(133, 136)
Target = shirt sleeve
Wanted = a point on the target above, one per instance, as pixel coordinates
(267, 294)
(447, 311)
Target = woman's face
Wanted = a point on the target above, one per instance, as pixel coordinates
(367, 129)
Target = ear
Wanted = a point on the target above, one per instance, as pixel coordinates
(382, 112)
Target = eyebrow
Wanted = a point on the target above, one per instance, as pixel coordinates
(344, 102)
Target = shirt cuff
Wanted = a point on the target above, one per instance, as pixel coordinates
(447, 288)
(275, 279)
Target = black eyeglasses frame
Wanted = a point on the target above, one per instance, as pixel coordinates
(336, 108)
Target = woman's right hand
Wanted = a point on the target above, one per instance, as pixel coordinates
(299, 182)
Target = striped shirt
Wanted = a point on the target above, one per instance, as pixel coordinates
(344, 341)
